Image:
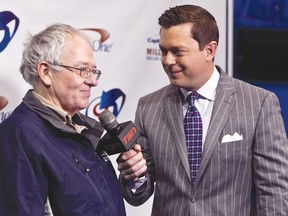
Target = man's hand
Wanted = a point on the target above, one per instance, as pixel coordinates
(131, 164)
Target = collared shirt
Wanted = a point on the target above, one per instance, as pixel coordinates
(205, 102)
(65, 117)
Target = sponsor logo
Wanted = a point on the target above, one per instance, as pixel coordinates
(152, 50)
(153, 40)
(7, 19)
(3, 103)
(113, 99)
(98, 44)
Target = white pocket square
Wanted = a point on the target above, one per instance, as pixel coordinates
(229, 138)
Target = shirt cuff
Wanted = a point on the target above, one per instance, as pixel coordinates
(135, 184)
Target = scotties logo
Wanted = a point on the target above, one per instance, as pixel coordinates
(99, 45)
(6, 17)
(113, 100)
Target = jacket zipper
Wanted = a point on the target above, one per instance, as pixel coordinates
(97, 157)
(85, 171)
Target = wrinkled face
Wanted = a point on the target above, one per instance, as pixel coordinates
(185, 64)
(68, 89)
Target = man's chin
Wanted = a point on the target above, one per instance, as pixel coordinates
(175, 82)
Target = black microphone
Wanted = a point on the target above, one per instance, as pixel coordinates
(119, 137)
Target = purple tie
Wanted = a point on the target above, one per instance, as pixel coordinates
(193, 134)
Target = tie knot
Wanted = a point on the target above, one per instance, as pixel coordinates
(192, 97)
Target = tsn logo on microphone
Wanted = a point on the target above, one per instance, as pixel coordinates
(129, 136)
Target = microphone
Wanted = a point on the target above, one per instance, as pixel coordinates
(119, 137)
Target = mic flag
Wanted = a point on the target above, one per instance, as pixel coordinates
(119, 137)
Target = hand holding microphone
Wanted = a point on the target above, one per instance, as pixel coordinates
(131, 164)
(119, 137)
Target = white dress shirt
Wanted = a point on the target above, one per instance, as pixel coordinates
(204, 104)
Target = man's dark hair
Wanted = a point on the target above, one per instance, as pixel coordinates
(204, 28)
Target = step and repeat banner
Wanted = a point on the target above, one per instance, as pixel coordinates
(126, 48)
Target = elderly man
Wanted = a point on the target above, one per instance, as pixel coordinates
(47, 147)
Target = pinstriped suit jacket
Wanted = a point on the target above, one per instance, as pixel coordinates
(234, 176)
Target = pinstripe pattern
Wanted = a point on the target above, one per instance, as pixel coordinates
(232, 175)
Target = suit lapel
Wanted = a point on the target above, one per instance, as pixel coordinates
(224, 102)
(174, 112)
(223, 106)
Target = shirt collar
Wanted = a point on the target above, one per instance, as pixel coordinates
(65, 117)
(62, 113)
(208, 90)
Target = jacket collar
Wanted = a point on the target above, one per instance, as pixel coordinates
(94, 127)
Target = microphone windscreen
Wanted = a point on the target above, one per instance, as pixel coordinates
(108, 120)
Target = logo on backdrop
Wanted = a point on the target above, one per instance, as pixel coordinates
(99, 45)
(152, 51)
(113, 99)
(6, 17)
(3, 103)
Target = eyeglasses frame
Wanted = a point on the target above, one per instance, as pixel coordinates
(96, 72)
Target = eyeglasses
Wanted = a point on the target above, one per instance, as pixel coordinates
(85, 72)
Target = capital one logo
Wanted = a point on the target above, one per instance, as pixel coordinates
(3, 102)
(99, 45)
(6, 18)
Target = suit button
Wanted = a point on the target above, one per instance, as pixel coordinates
(193, 199)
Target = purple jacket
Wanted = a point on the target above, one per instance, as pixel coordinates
(40, 157)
